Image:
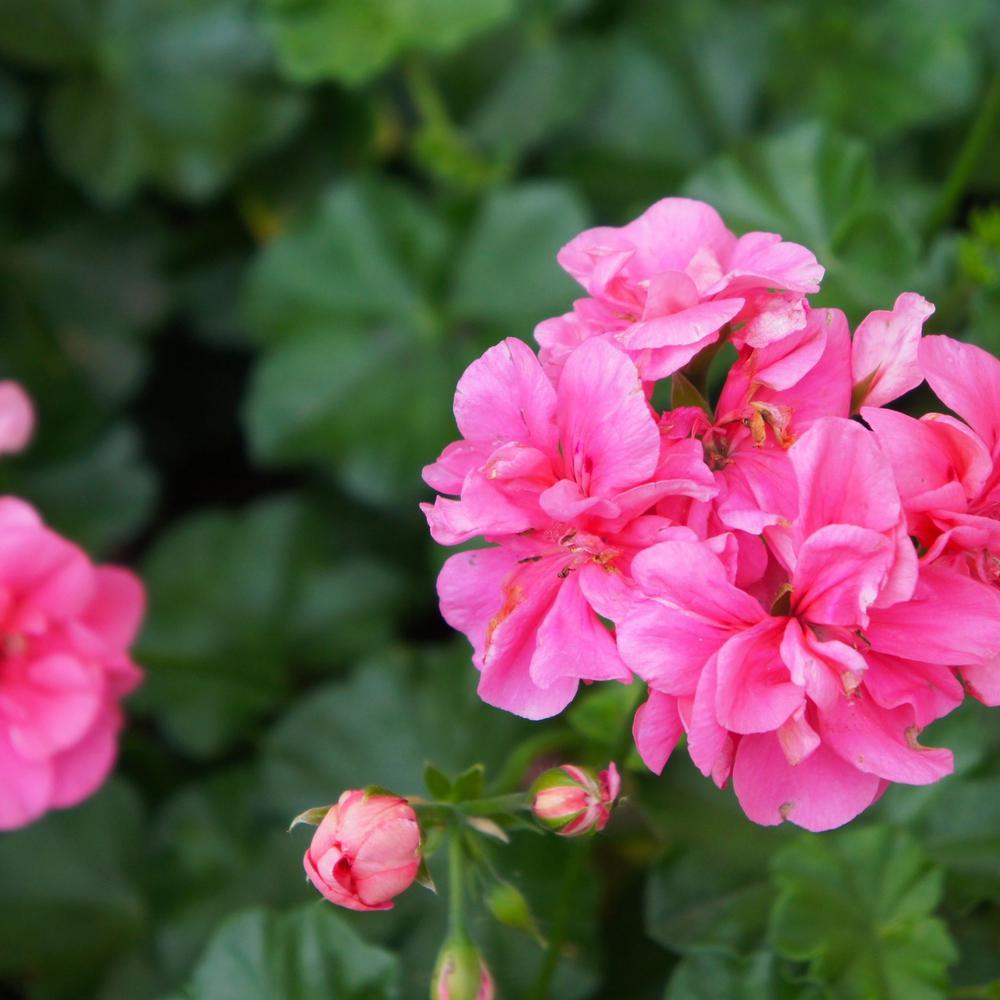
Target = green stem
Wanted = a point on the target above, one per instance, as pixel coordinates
(456, 883)
(496, 804)
(579, 852)
(967, 159)
(425, 95)
(623, 745)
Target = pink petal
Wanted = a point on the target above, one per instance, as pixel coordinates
(458, 459)
(843, 478)
(689, 326)
(825, 390)
(967, 380)
(81, 769)
(670, 234)
(884, 351)
(117, 606)
(506, 681)
(798, 739)
(668, 647)
(609, 437)
(754, 693)
(840, 570)
(820, 793)
(25, 786)
(572, 642)
(710, 745)
(656, 729)
(952, 620)
(764, 259)
(469, 587)
(881, 741)
(50, 702)
(984, 681)
(930, 690)
(693, 579)
(565, 501)
(928, 454)
(505, 396)
(823, 669)
(656, 363)
(484, 509)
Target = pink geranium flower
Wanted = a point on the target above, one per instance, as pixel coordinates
(813, 699)
(770, 396)
(948, 472)
(65, 628)
(365, 851)
(665, 285)
(560, 479)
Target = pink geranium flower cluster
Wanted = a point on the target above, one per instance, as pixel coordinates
(65, 629)
(801, 592)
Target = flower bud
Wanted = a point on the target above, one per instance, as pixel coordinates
(17, 418)
(365, 851)
(573, 800)
(461, 973)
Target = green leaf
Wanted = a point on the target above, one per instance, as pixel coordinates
(70, 892)
(711, 889)
(417, 706)
(359, 370)
(692, 904)
(555, 78)
(99, 497)
(363, 253)
(507, 271)
(214, 850)
(858, 907)
(878, 69)
(437, 782)
(48, 34)
(235, 602)
(471, 783)
(818, 188)
(353, 40)
(760, 976)
(173, 92)
(369, 405)
(602, 714)
(307, 953)
(80, 300)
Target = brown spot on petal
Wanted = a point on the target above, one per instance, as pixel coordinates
(850, 682)
(912, 732)
(513, 595)
(786, 809)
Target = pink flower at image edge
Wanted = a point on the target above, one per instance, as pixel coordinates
(66, 626)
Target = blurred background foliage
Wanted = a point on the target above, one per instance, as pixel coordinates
(247, 248)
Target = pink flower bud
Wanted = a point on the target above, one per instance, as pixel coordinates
(573, 800)
(17, 418)
(461, 973)
(365, 851)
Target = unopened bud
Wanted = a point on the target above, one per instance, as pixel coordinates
(572, 800)
(461, 973)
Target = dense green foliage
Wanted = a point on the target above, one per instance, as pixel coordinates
(247, 248)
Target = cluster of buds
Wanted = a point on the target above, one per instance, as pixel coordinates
(368, 848)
